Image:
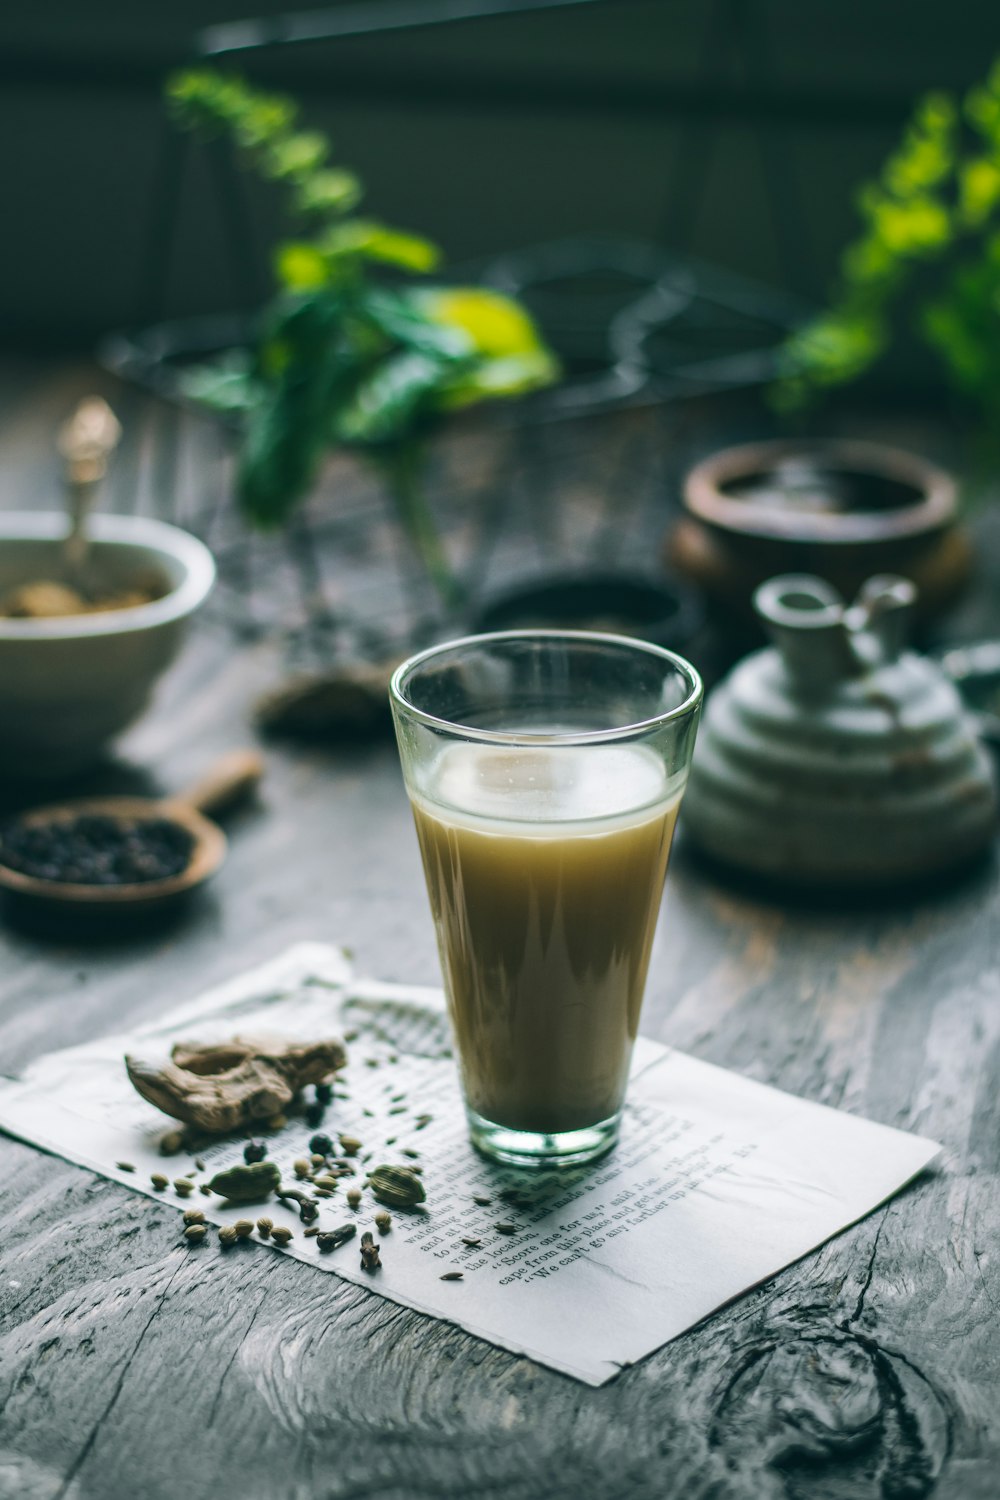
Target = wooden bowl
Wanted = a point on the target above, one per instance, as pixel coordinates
(207, 854)
(231, 778)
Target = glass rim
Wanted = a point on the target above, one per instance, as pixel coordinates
(690, 675)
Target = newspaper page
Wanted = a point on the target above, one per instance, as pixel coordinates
(717, 1183)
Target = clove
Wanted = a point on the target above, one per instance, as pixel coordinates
(369, 1253)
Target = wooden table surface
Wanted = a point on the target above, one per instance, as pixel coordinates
(131, 1369)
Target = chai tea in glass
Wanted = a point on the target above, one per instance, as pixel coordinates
(545, 770)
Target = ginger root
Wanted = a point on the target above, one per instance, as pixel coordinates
(222, 1086)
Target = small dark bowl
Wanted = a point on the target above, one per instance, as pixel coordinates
(617, 603)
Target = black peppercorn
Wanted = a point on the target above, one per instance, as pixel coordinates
(254, 1151)
(321, 1145)
(91, 849)
(324, 1093)
(314, 1115)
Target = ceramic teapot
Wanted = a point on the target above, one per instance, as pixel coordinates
(836, 756)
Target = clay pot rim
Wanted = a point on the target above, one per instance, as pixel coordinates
(704, 495)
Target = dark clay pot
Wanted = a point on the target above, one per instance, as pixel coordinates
(843, 511)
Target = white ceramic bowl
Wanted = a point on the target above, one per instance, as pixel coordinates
(69, 685)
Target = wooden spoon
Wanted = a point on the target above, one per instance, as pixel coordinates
(232, 777)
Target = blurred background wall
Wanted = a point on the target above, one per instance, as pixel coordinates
(693, 123)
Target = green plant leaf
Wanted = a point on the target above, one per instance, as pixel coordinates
(963, 325)
(494, 324)
(978, 190)
(982, 108)
(295, 157)
(300, 267)
(387, 403)
(262, 120)
(491, 379)
(374, 241)
(913, 228)
(829, 351)
(332, 190)
(403, 317)
(227, 385)
(289, 428)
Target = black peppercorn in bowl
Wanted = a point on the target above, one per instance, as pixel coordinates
(108, 852)
(71, 681)
(97, 858)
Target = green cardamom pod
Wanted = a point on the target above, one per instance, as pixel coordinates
(397, 1187)
(247, 1184)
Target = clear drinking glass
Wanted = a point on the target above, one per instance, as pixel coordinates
(545, 770)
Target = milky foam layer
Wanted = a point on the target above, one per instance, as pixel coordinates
(547, 787)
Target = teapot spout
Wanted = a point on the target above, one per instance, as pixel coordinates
(805, 618)
(823, 641)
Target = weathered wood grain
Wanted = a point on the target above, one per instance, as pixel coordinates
(130, 1367)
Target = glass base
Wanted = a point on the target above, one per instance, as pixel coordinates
(530, 1148)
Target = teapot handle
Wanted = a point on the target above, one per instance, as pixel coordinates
(883, 611)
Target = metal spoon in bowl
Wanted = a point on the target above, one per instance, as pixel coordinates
(86, 442)
(232, 777)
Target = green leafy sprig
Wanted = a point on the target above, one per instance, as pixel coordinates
(264, 129)
(343, 358)
(931, 237)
